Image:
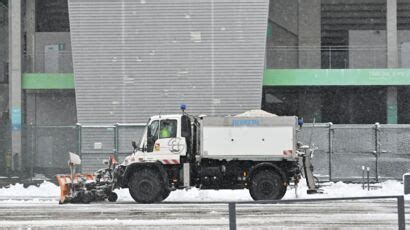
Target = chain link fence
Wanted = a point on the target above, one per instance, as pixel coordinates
(341, 152)
(98, 142)
(344, 149)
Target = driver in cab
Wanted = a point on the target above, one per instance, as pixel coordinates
(166, 130)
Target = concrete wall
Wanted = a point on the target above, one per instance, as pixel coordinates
(309, 28)
(4, 101)
(4, 125)
(367, 48)
(4, 34)
(50, 119)
(64, 62)
(51, 107)
(281, 50)
(284, 13)
(295, 37)
(281, 45)
(4, 91)
(403, 37)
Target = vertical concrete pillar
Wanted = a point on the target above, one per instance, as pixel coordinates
(391, 28)
(309, 36)
(30, 29)
(392, 58)
(15, 81)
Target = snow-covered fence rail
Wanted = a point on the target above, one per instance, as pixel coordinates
(400, 206)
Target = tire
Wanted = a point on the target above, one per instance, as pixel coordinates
(145, 186)
(112, 197)
(87, 197)
(283, 192)
(164, 195)
(267, 184)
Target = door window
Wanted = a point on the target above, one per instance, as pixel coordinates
(168, 129)
(152, 135)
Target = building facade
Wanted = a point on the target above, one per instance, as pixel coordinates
(324, 60)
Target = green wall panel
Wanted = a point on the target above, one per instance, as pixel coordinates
(335, 77)
(48, 81)
(272, 77)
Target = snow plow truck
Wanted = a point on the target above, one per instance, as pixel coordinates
(255, 151)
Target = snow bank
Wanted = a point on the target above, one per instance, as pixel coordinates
(338, 189)
(46, 189)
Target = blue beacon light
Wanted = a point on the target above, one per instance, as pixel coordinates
(300, 122)
(183, 107)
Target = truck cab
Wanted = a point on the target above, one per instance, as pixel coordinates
(162, 141)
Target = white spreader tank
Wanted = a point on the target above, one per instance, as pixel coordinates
(248, 138)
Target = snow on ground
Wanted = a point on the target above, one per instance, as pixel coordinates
(49, 191)
(46, 189)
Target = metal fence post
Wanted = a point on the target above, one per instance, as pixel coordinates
(79, 140)
(330, 149)
(401, 213)
(116, 140)
(32, 151)
(232, 216)
(377, 148)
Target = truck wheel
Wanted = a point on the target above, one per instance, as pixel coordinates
(164, 196)
(145, 186)
(283, 192)
(87, 197)
(267, 185)
(112, 197)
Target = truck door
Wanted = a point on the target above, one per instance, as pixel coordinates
(164, 141)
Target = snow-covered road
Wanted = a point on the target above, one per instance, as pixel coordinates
(378, 214)
(37, 207)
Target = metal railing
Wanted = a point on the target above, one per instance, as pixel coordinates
(59, 59)
(333, 57)
(400, 206)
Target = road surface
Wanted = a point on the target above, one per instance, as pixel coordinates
(40, 213)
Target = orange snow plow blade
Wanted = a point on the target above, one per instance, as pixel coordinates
(65, 182)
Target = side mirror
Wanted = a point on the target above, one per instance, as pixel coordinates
(134, 144)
